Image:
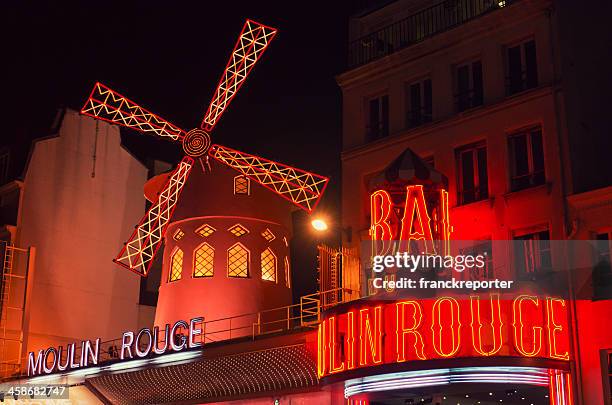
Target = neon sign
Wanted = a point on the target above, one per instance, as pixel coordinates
(419, 222)
(145, 342)
(446, 327)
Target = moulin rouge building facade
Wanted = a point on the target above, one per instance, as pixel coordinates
(458, 110)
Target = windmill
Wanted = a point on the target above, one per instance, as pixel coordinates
(300, 187)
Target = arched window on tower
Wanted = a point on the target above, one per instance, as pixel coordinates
(237, 261)
(268, 265)
(203, 261)
(176, 265)
(242, 185)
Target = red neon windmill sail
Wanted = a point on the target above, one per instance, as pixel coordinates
(302, 188)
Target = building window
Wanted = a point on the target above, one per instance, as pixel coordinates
(521, 67)
(607, 381)
(268, 265)
(485, 249)
(176, 265)
(238, 261)
(602, 271)
(473, 182)
(205, 230)
(203, 261)
(532, 254)
(238, 230)
(526, 159)
(268, 235)
(418, 103)
(287, 272)
(378, 118)
(242, 185)
(468, 87)
(178, 235)
(603, 246)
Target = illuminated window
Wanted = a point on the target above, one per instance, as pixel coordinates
(242, 185)
(205, 230)
(176, 265)
(268, 235)
(237, 261)
(532, 254)
(178, 235)
(473, 180)
(526, 159)
(419, 103)
(203, 260)
(238, 230)
(268, 265)
(287, 273)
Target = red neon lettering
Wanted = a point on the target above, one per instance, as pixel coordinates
(333, 347)
(415, 204)
(380, 211)
(321, 350)
(402, 330)
(370, 336)
(437, 328)
(554, 328)
(350, 340)
(495, 325)
(518, 327)
(445, 227)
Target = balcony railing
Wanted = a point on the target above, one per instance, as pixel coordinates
(305, 315)
(417, 27)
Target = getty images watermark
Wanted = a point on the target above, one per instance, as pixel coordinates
(402, 262)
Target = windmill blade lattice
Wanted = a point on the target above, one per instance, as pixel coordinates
(302, 188)
(138, 253)
(251, 44)
(108, 105)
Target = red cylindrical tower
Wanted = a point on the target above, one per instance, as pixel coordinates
(226, 251)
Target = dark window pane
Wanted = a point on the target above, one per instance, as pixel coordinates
(514, 69)
(467, 177)
(531, 67)
(415, 104)
(463, 88)
(477, 80)
(537, 150)
(427, 101)
(483, 180)
(385, 116)
(521, 157)
(374, 119)
(537, 153)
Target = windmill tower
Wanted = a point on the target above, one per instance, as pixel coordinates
(226, 237)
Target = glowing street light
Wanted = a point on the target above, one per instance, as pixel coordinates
(319, 225)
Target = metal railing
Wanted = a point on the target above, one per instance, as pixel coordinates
(305, 315)
(417, 27)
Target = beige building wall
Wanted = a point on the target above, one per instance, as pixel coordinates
(77, 222)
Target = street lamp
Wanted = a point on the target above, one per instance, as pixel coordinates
(319, 224)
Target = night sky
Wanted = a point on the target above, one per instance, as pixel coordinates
(168, 57)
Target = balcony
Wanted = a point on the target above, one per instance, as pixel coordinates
(418, 27)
